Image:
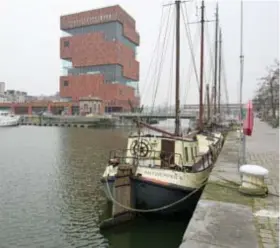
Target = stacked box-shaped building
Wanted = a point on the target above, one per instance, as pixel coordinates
(98, 51)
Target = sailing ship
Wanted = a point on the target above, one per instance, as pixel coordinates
(170, 169)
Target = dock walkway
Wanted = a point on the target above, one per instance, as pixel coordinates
(224, 218)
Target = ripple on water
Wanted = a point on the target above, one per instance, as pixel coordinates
(50, 190)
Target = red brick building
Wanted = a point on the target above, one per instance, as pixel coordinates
(98, 51)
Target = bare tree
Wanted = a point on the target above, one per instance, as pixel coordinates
(266, 99)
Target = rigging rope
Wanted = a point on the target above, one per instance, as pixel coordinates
(170, 91)
(211, 56)
(186, 21)
(225, 81)
(189, 73)
(158, 75)
(154, 52)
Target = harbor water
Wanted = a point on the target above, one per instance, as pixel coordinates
(51, 194)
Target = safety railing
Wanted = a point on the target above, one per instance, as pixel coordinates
(201, 162)
(156, 114)
(161, 159)
(146, 158)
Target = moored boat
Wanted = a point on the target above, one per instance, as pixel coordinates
(167, 170)
(170, 170)
(8, 120)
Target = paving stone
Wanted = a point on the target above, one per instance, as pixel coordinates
(263, 220)
(223, 225)
(271, 189)
(269, 246)
(196, 244)
(263, 226)
(266, 235)
(274, 220)
(265, 231)
(268, 157)
(268, 240)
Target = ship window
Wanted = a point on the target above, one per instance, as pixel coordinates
(192, 152)
(187, 155)
(65, 83)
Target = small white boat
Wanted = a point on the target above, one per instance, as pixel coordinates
(8, 120)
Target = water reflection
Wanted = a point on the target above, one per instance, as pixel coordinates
(147, 233)
(28, 213)
(85, 154)
(51, 195)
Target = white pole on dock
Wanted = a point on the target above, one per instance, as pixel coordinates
(242, 155)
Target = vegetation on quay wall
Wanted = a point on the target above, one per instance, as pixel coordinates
(266, 100)
(226, 192)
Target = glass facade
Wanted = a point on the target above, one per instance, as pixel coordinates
(66, 64)
(111, 30)
(112, 73)
(135, 86)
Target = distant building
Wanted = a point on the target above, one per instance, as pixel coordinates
(2, 98)
(98, 51)
(52, 98)
(15, 96)
(90, 105)
(30, 98)
(2, 87)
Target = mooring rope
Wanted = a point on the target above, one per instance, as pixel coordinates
(154, 209)
(262, 189)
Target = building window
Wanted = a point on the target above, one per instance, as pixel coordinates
(65, 83)
(66, 43)
(86, 107)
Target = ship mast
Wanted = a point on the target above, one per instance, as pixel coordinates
(216, 59)
(201, 67)
(177, 131)
(208, 103)
(177, 91)
(220, 70)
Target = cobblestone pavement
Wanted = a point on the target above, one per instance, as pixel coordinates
(263, 149)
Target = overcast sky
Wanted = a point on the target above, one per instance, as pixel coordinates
(29, 44)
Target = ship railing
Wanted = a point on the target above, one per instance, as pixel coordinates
(152, 158)
(202, 161)
(162, 160)
(205, 160)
